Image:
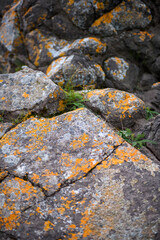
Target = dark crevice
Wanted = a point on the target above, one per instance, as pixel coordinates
(67, 182)
(8, 235)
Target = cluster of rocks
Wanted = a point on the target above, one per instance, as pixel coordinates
(69, 175)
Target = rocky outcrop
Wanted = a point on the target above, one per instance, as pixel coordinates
(90, 178)
(68, 174)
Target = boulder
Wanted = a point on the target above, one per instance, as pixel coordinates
(119, 108)
(81, 12)
(95, 184)
(123, 74)
(129, 14)
(87, 46)
(11, 37)
(77, 71)
(42, 48)
(28, 91)
(147, 80)
(34, 13)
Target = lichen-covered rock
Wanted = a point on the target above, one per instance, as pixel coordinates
(77, 71)
(124, 75)
(16, 195)
(34, 13)
(120, 108)
(142, 45)
(11, 36)
(28, 91)
(56, 151)
(129, 14)
(117, 199)
(81, 12)
(88, 46)
(43, 48)
(101, 6)
(4, 127)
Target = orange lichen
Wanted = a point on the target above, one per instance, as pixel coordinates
(80, 142)
(25, 95)
(48, 226)
(143, 35)
(61, 106)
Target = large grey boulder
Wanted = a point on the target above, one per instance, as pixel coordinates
(95, 184)
(28, 91)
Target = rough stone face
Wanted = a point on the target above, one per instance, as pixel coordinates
(81, 12)
(10, 36)
(34, 13)
(16, 195)
(118, 197)
(4, 127)
(64, 28)
(88, 46)
(42, 48)
(4, 3)
(147, 81)
(129, 14)
(28, 91)
(120, 108)
(77, 71)
(53, 152)
(142, 46)
(151, 131)
(124, 75)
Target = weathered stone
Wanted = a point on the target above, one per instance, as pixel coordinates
(11, 36)
(101, 6)
(118, 199)
(4, 127)
(77, 71)
(129, 14)
(43, 48)
(123, 74)
(4, 3)
(53, 152)
(35, 12)
(142, 47)
(81, 12)
(16, 195)
(120, 108)
(28, 91)
(88, 46)
(64, 28)
(151, 131)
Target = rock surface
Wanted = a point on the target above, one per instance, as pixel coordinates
(86, 175)
(29, 91)
(119, 108)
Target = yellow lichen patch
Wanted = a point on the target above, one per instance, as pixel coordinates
(106, 18)
(1, 80)
(143, 35)
(48, 226)
(12, 221)
(25, 95)
(124, 104)
(73, 236)
(3, 98)
(61, 106)
(3, 174)
(14, 189)
(68, 117)
(80, 142)
(70, 2)
(84, 224)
